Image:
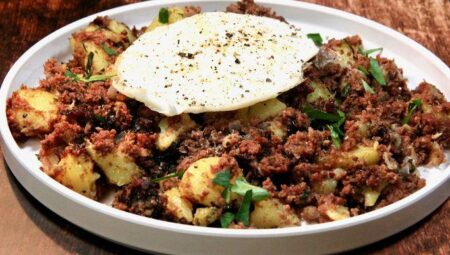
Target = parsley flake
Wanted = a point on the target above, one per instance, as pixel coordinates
(241, 187)
(223, 178)
(92, 78)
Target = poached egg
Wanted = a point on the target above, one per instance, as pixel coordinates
(213, 61)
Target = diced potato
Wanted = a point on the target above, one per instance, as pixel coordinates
(320, 92)
(436, 155)
(77, 173)
(32, 111)
(171, 128)
(206, 216)
(338, 212)
(271, 213)
(179, 207)
(100, 61)
(95, 38)
(120, 28)
(345, 53)
(118, 167)
(175, 14)
(368, 154)
(371, 195)
(326, 186)
(278, 129)
(261, 111)
(197, 183)
(363, 129)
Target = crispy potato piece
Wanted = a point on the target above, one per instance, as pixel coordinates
(338, 212)
(320, 91)
(197, 182)
(177, 206)
(271, 213)
(371, 195)
(117, 165)
(31, 112)
(261, 111)
(171, 128)
(175, 14)
(105, 39)
(206, 216)
(77, 173)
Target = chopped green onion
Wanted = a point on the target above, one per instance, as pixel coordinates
(316, 38)
(70, 74)
(171, 175)
(376, 71)
(346, 90)
(93, 78)
(163, 16)
(412, 107)
(367, 87)
(223, 178)
(89, 65)
(369, 51)
(241, 187)
(363, 70)
(335, 136)
(319, 115)
(109, 51)
(341, 118)
(226, 194)
(243, 214)
(226, 219)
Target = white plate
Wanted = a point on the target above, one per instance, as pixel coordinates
(165, 237)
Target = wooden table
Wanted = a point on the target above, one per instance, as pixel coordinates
(27, 227)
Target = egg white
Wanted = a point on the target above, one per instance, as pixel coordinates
(213, 62)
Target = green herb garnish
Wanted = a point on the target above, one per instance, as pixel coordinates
(241, 187)
(367, 87)
(243, 213)
(335, 135)
(346, 90)
(412, 107)
(226, 219)
(319, 115)
(316, 38)
(163, 16)
(92, 78)
(363, 70)
(223, 178)
(89, 65)
(369, 51)
(376, 71)
(171, 175)
(109, 51)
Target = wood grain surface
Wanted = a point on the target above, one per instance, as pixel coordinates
(27, 227)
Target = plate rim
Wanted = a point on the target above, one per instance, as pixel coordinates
(10, 144)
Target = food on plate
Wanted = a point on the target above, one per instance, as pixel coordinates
(328, 130)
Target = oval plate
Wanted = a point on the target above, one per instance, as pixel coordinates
(166, 237)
